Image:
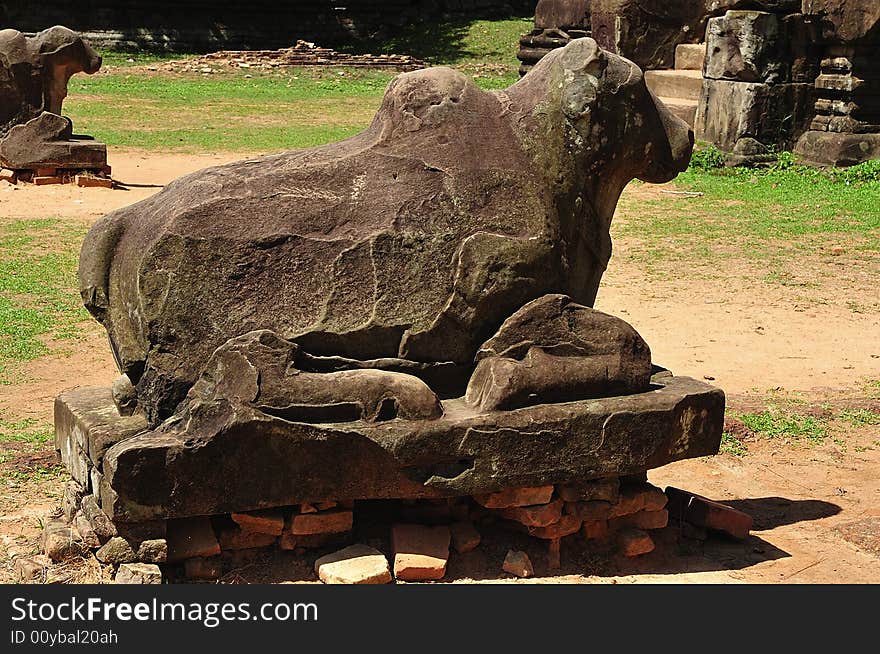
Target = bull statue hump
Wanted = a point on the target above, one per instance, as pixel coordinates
(389, 259)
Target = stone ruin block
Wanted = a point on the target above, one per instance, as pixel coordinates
(745, 46)
(751, 120)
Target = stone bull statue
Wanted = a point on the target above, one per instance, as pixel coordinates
(387, 260)
(34, 72)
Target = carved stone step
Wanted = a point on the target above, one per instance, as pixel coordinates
(684, 84)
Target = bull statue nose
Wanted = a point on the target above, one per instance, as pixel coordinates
(680, 138)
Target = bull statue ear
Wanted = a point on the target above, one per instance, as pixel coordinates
(583, 65)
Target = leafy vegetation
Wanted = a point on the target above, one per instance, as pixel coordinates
(782, 424)
(730, 444)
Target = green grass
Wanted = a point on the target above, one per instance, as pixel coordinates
(27, 430)
(38, 298)
(730, 444)
(276, 109)
(860, 417)
(774, 423)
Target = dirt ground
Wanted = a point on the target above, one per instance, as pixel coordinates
(816, 509)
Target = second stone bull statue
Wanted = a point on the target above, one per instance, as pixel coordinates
(375, 270)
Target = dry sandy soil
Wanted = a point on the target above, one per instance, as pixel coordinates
(816, 508)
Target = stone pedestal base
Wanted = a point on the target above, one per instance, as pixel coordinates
(263, 461)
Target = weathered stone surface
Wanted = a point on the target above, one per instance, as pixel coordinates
(153, 551)
(89, 537)
(836, 149)
(87, 421)
(34, 72)
(47, 140)
(511, 497)
(634, 542)
(116, 550)
(465, 536)
(518, 563)
(191, 537)
(647, 31)
(420, 553)
(138, 573)
(71, 499)
(746, 46)
(541, 515)
(767, 114)
(554, 350)
(556, 14)
(124, 395)
(98, 519)
(846, 20)
(31, 569)
(270, 521)
(606, 490)
(356, 564)
(412, 243)
(164, 475)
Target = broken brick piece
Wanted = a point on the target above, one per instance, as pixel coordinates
(703, 512)
(541, 515)
(43, 181)
(93, 182)
(634, 542)
(270, 521)
(567, 524)
(420, 552)
(511, 497)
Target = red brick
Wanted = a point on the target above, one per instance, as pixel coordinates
(634, 542)
(595, 529)
(465, 536)
(237, 539)
(420, 553)
(326, 506)
(541, 515)
(43, 181)
(638, 497)
(191, 537)
(511, 497)
(590, 510)
(605, 490)
(8, 176)
(703, 512)
(45, 172)
(93, 182)
(568, 524)
(270, 521)
(642, 520)
(323, 522)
